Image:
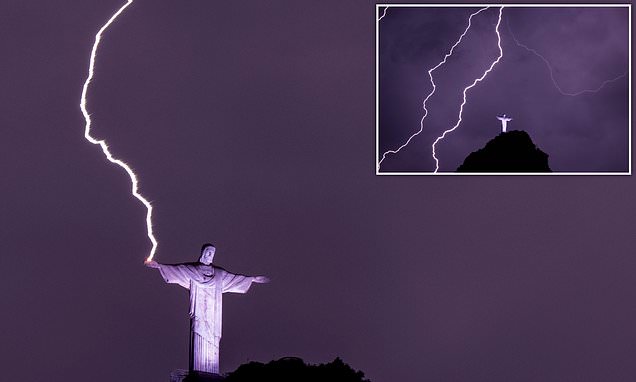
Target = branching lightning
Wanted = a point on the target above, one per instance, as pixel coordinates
(102, 143)
(547, 63)
(430, 75)
(461, 108)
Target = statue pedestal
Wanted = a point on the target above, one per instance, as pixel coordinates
(195, 376)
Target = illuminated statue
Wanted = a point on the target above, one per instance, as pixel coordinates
(206, 284)
(504, 122)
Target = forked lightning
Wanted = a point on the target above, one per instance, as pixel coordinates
(102, 143)
(430, 76)
(478, 80)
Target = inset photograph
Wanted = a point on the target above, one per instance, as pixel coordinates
(503, 89)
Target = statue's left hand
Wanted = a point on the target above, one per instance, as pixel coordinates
(261, 279)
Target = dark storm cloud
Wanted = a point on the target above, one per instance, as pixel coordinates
(416, 39)
(585, 47)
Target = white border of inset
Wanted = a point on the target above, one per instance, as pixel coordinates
(377, 86)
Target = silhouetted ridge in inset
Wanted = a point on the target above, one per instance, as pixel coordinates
(512, 151)
(291, 369)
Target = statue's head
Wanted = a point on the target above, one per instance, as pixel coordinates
(207, 253)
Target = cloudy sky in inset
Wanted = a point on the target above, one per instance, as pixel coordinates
(585, 47)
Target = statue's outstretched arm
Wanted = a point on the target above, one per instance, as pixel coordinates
(180, 274)
(237, 283)
(260, 279)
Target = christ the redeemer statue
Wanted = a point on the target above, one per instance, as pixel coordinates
(206, 283)
(504, 122)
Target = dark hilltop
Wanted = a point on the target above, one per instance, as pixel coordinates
(512, 151)
(292, 369)
(288, 369)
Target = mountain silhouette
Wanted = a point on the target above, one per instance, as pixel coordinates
(292, 369)
(288, 369)
(512, 151)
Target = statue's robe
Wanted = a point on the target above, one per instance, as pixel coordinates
(206, 284)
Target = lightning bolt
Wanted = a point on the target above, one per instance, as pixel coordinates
(430, 76)
(478, 80)
(383, 14)
(102, 143)
(547, 63)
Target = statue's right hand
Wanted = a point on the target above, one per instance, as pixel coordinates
(151, 264)
(261, 279)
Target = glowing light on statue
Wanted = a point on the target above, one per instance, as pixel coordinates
(430, 76)
(478, 80)
(102, 143)
(554, 81)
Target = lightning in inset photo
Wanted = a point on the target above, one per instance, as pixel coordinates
(430, 76)
(466, 89)
(551, 70)
(552, 129)
(383, 13)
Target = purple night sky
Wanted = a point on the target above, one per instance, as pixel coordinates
(585, 46)
(252, 125)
